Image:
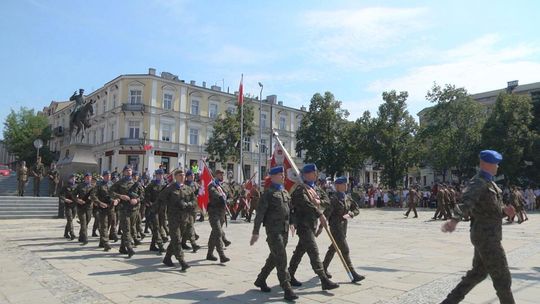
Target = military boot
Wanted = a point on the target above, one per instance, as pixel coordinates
(161, 250)
(130, 252)
(356, 276)
(153, 247)
(288, 293)
(123, 250)
(195, 247)
(262, 285)
(185, 246)
(106, 247)
(294, 281)
(167, 261)
(184, 265)
(223, 258)
(326, 284)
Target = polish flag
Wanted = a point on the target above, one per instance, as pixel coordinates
(241, 92)
(281, 157)
(205, 180)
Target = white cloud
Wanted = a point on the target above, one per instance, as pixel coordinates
(344, 37)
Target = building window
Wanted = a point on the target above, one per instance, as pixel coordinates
(264, 148)
(247, 144)
(94, 137)
(193, 136)
(194, 107)
(134, 129)
(114, 101)
(166, 130)
(231, 110)
(102, 135)
(299, 154)
(282, 122)
(375, 177)
(298, 123)
(104, 106)
(167, 101)
(263, 120)
(213, 110)
(113, 127)
(135, 96)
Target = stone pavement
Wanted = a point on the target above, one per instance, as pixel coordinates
(404, 260)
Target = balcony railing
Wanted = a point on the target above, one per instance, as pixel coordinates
(59, 131)
(136, 107)
(131, 141)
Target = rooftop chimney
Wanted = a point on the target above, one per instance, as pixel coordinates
(303, 108)
(216, 88)
(204, 84)
(152, 71)
(511, 85)
(280, 103)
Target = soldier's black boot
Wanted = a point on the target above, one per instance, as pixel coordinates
(101, 245)
(223, 258)
(195, 247)
(161, 250)
(153, 247)
(94, 234)
(326, 284)
(106, 247)
(210, 255)
(262, 285)
(130, 252)
(66, 233)
(294, 281)
(137, 242)
(72, 235)
(356, 277)
(185, 246)
(184, 265)
(288, 293)
(167, 261)
(123, 250)
(226, 242)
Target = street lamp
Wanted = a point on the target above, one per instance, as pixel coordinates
(144, 133)
(260, 131)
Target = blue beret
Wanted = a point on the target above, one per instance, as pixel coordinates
(276, 170)
(189, 173)
(341, 180)
(491, 156)
(106, 172)
(135, 173)
(127, 167)
(159, 171)
(87, 174)
(308, 168)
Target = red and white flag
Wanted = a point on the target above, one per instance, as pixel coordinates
(205, 179)
(281, 157)
(241, 92)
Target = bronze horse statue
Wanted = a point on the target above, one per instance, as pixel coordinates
(80, 120)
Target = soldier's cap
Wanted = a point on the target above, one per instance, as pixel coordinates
(106, 172)
(189, 173)
(159, 171)
(341, 180)
(71, 176)
(308, 168)
(135, 173)
(127, 167)
(219, 171)
(276, 170)
(178, 172)
(87, 174)
(491, 156)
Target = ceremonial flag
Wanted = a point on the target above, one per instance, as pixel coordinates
(241, 91)
(205, 179)
(281, 157)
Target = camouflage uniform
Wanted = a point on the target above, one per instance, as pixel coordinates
(254, 203)
(102, 194)
(84, 210)
(412, 201)
(128, 212)
(70, 209)
(22, 178)
(38, 170)
(482, 200)
(189, 234)
(151, 194)
(441, 210)
(54, 179)
(216, 217)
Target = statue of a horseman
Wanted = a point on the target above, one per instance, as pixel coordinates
(80, 116)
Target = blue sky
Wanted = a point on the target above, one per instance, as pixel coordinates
(355, 49)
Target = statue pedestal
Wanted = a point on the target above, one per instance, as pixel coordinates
(76, 158)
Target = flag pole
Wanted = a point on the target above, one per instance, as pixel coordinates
(241, 98)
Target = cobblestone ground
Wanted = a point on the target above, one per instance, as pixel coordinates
(404, 260)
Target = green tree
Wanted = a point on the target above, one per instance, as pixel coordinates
(356, 142)
(507, 131)
(451, 130)
(321, 133)
(392, 138)
(532, 156)
(224, 144)
(21, 128)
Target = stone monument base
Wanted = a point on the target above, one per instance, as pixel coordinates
(76, 158)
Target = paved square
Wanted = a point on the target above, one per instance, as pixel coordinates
(404, 260)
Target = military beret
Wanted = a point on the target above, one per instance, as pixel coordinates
(127, 167)
(341, 180)
(276, 170)
(87, 174)
(218, 171)
(491, 156)
(135, 173)
(178, 172)
(308, 168)
(106, 172)
(71, 176)
(159, 171)
(189, 173)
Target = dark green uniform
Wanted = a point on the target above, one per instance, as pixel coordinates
(84, 210)
(189, 234)
(70, 209)
(102, 194)
(306, 214)
(22, 178)
(412, 200)
(255, 196)
(216, 218)
(54, 179)
(38, 170)
(179, 200)
(151, 194)
(127, 211)
(482, 200)
(340, 205)
(274, 212)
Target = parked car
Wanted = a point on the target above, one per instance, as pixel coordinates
(4, 170)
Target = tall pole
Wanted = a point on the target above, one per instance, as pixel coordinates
(144, 155)
(241, 176)
(260, 134)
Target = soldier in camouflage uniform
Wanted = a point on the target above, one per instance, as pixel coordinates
(179, 199)
(309, 201)
(129, 194)
(68, 197)
(189, 234)
(254, 195)
(216, 216)
(138, 233)
(412, 200)
(151, 194)
(54, 179)
(103, 203)
(22, 178)
(84, 206)
(441, 209)
(341, 209)
(482, 200)
(274, 212)
(38, 170)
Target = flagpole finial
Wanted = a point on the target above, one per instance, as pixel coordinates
(275, 133)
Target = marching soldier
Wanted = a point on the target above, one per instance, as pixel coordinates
(38, 170)
(54, 179)
(308, 201)
(274, 212)
(84, 206)
(254, 201)
(189, 233)
(104, 202)
(68, 196)
(341, 209)
(137, 224)
(179, 199)
(216, 217)
(482, 200)
(151, 194)
(128, 192)
(441, 210)
(22, 178)
(412, 200)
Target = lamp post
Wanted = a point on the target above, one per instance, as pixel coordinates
(260, 133)
(144, 133)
